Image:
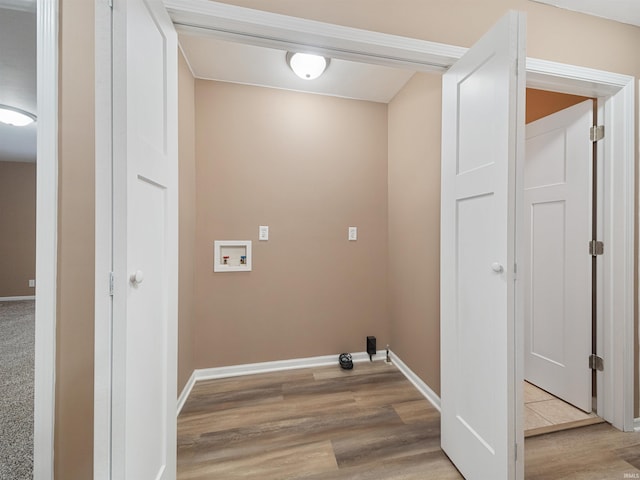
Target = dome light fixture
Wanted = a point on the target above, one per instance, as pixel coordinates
(306, 65)
(15, 116)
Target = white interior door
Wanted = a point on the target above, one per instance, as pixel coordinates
(483, 131)
(145, 242)
(557, 284)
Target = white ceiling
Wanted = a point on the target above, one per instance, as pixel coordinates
(18, 76)
(214, 59)
(625, 11)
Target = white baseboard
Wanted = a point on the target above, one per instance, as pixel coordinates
(186, 391)
(636, 424)
(417, 382)
(265, 367)
(17, 299)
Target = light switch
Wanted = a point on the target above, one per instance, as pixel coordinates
(32, 283)
(263, 233)
(353, 233)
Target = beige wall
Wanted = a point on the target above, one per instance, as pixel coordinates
(308, 166)
(76, 240)
(18, 228)
(187, 220)
(414, 225)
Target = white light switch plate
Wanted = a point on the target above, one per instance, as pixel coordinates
(353, 233)
(32, 283)
(263, 233)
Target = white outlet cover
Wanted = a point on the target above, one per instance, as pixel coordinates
(353, 233)
(263, 232)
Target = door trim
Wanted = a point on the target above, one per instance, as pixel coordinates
(46, 237)
(104, 244)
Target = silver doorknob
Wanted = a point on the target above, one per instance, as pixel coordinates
(137, 277)
(496, 267)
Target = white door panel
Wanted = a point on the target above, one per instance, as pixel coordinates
(558, 227)
(145, 242)
(481, 141)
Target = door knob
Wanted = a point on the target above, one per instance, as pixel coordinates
(496, 267)
(137, 277)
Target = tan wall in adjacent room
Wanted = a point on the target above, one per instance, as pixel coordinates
(308, 166)
(17, 228)
(541, 103)
(414, 225)
(187, 219)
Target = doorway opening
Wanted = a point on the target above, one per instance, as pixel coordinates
(18, 145)
(560, 280)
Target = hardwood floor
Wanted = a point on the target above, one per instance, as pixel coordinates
(366, 424)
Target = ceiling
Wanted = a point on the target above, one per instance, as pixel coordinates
(625, 11)
(18, 76)
(214, 59)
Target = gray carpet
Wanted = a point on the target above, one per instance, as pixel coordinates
(17, 338)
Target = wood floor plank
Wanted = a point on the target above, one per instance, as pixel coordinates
(425, 466)
(592, 452)
(414, 411)
(239, 442)
(274, 464)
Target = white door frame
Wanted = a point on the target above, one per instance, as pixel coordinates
(274, 30)
(46, 237)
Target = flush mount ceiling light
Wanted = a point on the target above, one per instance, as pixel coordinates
(15, 116)
(306, 65)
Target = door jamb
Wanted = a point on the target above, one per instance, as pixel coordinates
(46, 237)
(103, 350)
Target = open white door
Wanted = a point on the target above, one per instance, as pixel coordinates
(482, 140)
(145, 240)
(557, 264)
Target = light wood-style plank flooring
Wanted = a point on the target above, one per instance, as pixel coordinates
(544, 413)
(366, 424)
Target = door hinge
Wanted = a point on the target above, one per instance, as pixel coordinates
(596, 248)
(596, 362)
(516, 452)
(110, 3)
(111, 282)
(596, 133)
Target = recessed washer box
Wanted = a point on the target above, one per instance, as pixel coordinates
(232, 255)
